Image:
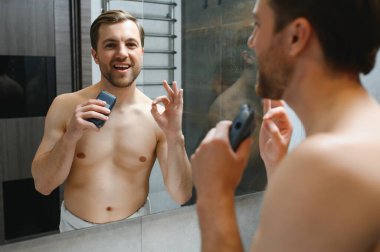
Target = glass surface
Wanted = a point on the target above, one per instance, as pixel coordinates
(218, 76)
(219, 73)
(27, 212)
(27, 85)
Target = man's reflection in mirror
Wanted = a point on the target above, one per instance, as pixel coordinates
(231, 93)
(226, 106)
(105, 171)
(11, 92)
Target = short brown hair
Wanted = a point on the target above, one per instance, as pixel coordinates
(348, 30)
(112, 17)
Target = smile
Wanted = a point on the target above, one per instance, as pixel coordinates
(121, 67)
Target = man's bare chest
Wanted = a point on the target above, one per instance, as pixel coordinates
(123, 143)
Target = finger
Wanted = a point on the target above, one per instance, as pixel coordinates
(161, 99)
(222, 129)
(93, 101)
(175, 88)
(277, 103)
(90, 126)
(266, 105)
(276, 113)
(244, 149)
(279, 117)
(93, 114)
(179, 99)
(91, 107)
(273, 131)
(154, 111)
(169, 91)
(210, 134)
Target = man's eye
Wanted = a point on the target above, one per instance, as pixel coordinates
(109, 46)
(131, 45)
(254, 24)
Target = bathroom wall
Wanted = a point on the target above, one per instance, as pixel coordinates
(171, 231)
(34, 28)
(23, 25)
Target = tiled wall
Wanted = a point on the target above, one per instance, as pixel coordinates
(175, 230)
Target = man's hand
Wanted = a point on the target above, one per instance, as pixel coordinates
(275, 133)
(217, 169)
(92, 108)
(170, 121)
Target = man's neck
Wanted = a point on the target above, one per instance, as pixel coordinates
(321, 97)
(123, 94)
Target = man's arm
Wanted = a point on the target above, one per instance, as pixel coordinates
(171, 152)
(217, 171)
(52, 162)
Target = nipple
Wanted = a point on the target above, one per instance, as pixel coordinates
(142, 159)
(81, 155)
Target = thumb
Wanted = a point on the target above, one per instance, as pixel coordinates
(154, 111)
(244, 149)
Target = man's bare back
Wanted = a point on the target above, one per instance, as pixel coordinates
(329, 183)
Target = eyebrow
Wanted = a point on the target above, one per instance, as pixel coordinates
(108, 40)
(116, 40)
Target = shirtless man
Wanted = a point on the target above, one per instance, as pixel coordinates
(325, 194)
(106, 171)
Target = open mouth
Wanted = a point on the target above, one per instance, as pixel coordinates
(121, 67)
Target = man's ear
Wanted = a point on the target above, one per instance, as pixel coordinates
(300, 34)
(94, 55)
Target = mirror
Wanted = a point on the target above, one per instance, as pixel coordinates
(208, 56)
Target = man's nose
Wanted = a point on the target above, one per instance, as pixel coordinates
(123, 51)
(251, 41)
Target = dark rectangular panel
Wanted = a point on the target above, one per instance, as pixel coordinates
(27, 212)
(27, 85)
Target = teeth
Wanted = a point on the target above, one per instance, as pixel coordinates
(122, 66)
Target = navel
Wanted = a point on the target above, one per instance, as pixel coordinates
(81, 155)
(142, 159)
(109, 209)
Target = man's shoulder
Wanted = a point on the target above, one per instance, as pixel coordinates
(74, 97)
(337, 159)
(141, 97)
(63, 104)
(319, 148)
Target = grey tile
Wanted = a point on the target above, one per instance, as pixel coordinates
(248, 212)
(118, 236)
(175, 230)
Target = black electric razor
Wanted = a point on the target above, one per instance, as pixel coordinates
(242, 126)
(110, 100)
